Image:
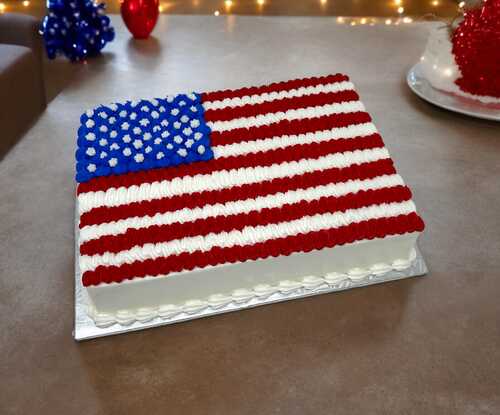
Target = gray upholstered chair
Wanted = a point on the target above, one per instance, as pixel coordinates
(22, 92)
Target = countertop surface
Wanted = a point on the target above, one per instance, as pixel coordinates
(425, 345)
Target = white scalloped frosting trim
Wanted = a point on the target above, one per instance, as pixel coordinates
(308, 284)
(272, 96)
(224, 179)
(249, 235)
(267, 144)
(240, 206)
(294, 114)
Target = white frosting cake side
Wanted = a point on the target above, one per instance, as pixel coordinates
(440, 69)
(146, 298)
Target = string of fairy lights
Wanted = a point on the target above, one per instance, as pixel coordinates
(228, 7)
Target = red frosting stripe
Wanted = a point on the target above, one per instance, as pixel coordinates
(164, 233)
(251, 110)
(267, 158)
(286, 127)
(370, 229)
(275, 87)
(363, 171)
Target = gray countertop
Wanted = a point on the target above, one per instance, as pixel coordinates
(427, 345)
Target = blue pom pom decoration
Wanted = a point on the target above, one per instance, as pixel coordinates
(76, 28)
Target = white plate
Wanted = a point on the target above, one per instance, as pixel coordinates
(420, 86)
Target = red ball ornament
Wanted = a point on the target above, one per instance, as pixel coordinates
(140, 16)
(476, 46)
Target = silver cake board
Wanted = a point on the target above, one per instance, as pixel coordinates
(86, 329)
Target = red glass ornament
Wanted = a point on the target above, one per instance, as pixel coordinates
(140, 16)
(476, 46)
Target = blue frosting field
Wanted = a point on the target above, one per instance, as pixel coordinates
(138, 136)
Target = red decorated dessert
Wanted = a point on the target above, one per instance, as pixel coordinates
(466, 60)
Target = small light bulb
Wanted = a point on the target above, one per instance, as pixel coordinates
(340, 19)
(323, 1)
(216, 13)
(401, 10)
(2, 7)
(407, 20)
(435, 3)
(363, 20)
(26, 3)
(353, 23)
(461, 4)
(388, 21)
(160, 8)
(260, 2)
(228, 3)
(397, 2)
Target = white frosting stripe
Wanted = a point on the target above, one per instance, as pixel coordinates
(267, 144)
(247, 236)
(224, 179)
(239, 206)
(272, 96)
(294, 114)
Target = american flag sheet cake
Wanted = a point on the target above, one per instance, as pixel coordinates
(202, 199)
